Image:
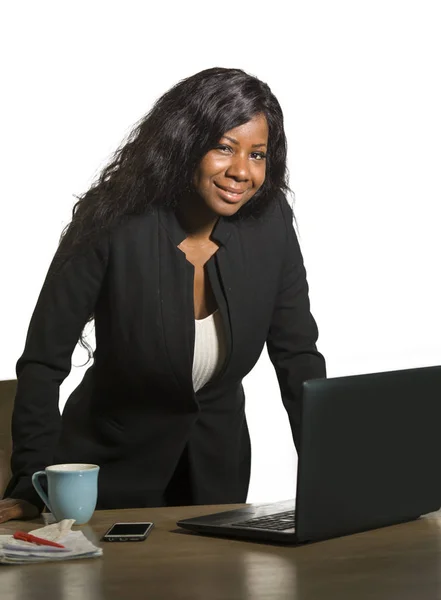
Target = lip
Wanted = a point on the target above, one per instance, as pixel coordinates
(231, 194)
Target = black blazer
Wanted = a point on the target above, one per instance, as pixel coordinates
(135, 412)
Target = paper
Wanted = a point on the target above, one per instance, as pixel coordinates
(76, 544)
(48, 518)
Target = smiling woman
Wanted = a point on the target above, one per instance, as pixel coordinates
(234, 172)
(184, 253)
(228, 175)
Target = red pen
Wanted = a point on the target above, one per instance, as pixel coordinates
(27, 537)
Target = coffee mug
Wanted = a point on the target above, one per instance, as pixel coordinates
(72, 490)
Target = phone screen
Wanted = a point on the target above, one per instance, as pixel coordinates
(129, 529)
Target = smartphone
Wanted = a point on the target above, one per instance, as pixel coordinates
(127, 532)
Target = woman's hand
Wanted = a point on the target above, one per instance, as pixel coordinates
(12, 508)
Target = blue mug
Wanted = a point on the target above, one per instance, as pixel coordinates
(72, 490)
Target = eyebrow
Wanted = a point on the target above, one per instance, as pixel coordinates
(236, 142)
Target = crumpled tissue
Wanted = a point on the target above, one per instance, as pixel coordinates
(13, 552)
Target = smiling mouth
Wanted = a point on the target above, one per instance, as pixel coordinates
(230, 190)
(229, 196)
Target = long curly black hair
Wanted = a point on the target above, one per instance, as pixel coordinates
(157, 160)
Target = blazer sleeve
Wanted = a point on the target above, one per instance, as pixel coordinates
(65, 303)
(293, 332)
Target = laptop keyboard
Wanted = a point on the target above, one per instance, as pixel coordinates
(279, 521)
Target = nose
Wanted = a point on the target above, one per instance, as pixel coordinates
(238, 168)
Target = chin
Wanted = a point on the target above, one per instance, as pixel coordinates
(226, 209)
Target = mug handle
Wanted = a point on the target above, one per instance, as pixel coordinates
(39, 489)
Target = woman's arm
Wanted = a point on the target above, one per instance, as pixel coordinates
(293, 333)
(66, 301)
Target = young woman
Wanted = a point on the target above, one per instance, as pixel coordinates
(185, 255)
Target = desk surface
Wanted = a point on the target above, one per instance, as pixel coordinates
(402, 562)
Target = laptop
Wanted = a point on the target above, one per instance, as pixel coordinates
(369, 457)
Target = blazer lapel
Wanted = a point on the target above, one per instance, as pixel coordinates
(175, 285)
(221, 281)
(176, 289)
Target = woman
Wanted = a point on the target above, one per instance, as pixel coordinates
(185, 254)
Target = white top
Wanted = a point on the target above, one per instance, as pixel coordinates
(209, 349)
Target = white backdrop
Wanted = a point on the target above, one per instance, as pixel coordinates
(359, 83)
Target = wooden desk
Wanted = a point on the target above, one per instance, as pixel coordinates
(401, 562)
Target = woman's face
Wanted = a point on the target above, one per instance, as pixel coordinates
(230, 174)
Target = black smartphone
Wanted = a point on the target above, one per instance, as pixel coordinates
(127, 532)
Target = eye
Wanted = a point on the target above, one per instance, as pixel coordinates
(260, 155)
(223, 147)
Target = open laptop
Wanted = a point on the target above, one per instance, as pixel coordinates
(369, 456)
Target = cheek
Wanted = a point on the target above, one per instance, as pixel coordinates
(205, 172)
(259, 176)
(199, 179)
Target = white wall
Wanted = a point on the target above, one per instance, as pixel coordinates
(359, 83)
